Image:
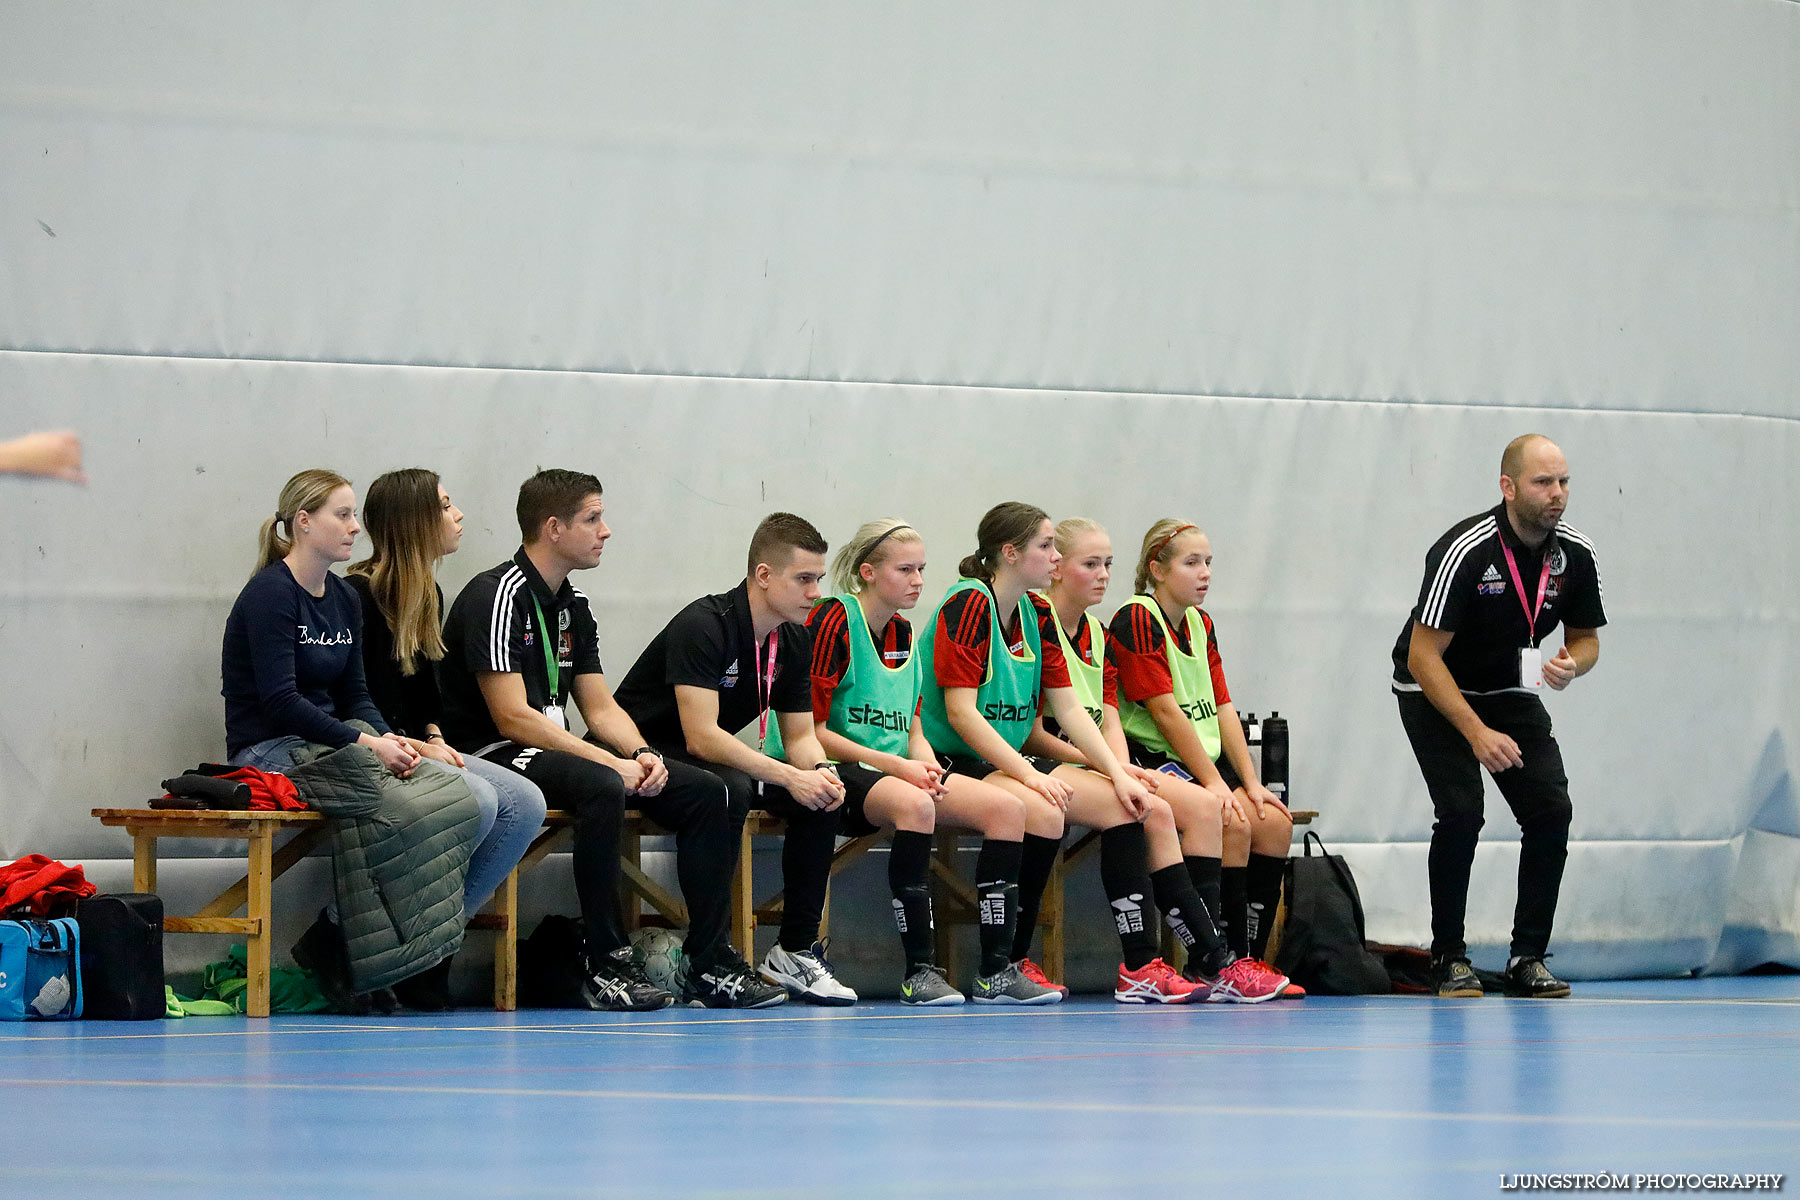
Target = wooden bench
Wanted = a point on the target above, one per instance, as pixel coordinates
(251, 893)
(954, 902)
(638, 889)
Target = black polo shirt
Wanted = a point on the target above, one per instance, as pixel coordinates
(493, 626)
(1469, 591)
(710, 644)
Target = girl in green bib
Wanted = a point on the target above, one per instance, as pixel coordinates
(1187, 821)
(865, 694)
(1178, 715)
(989, 668)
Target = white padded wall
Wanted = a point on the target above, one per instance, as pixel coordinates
(1294, 270)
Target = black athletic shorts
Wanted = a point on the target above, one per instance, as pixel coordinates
(858, 779)
(981, 768)
(1155, 760)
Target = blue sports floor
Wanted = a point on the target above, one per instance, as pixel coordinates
(1392, 1097)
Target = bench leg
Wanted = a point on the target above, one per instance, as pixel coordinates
(143, 861)
(256, 949)
(743, 902)
(506, 945)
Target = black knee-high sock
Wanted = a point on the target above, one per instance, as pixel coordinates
(1125, 876)
(1263, 891)
(997, 891)
(1233, 898)
(1204, 872)
(909, 864)
(1185, 913)
(1037, 859)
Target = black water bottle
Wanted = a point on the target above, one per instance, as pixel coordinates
(1275, 755)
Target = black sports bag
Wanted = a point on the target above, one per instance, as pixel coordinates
(1322, 943)
(122, 956)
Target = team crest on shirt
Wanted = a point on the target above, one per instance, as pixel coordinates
(562, 620)
(1559, 561)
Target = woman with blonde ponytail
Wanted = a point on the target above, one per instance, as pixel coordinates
(1178, 718)
(1185, 822)
(865, 699)
(991, 663)
(413, 525)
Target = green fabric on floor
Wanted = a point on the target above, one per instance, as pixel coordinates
(178, 1006)
(291, 989)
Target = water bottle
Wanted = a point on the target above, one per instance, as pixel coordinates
(1253, 738)
(1275, 755)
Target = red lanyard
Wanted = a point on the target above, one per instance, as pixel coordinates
(765, 686)
(1531, 613)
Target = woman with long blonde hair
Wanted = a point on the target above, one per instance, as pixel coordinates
(413, 525)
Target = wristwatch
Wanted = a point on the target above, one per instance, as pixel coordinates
(643, 750)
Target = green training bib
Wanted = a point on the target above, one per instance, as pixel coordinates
(1007, 698)
(1088, 680)
(1193, 687)
(873, 704)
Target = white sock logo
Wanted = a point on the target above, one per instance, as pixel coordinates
(900, 915)
(1128, 913)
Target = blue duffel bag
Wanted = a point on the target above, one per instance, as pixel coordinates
(40, 969)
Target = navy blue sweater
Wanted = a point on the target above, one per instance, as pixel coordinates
(292, 663)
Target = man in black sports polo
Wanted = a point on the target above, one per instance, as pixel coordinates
(742, 657)
(1469, 668)
(520, 643)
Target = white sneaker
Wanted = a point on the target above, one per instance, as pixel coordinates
(806, 975)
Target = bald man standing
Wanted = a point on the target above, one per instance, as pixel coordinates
(1469, 670)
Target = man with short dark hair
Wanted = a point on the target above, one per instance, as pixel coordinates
(521, 643)
(730, 659)
(1468, 673)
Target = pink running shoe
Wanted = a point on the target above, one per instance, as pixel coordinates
(1156, 982)
(1245, 981)
(1033, 972)
(1289, 989)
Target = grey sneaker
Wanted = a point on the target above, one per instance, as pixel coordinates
(1531, 979)
(927, 988)
(806, 975)
(1009, 986)
(1455, 978)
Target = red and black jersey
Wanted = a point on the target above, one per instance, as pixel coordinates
(960, 652)
(1134, 645)
(831, 627)
(1083, 644)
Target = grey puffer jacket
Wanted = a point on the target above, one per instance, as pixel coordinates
(399, 851)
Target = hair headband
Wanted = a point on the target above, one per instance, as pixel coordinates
(870, 552)
(1164, 544)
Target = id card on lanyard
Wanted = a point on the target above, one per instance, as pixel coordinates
(552, 668)
(765, 688)
(1531, 658)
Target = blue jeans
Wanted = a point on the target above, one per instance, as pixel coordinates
(512, 811)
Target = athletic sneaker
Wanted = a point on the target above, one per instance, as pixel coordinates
(728, 982)
(615, 983)
(1033, 972)
(1244, 983)
(1156, 982)
(1454, 977)
(1008, 985)
(1289, 990)
(806, 975)
(927, 988)
(1530, 978)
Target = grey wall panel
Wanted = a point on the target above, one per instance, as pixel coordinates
(1590, 205)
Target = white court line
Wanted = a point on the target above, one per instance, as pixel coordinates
(901, 1102)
